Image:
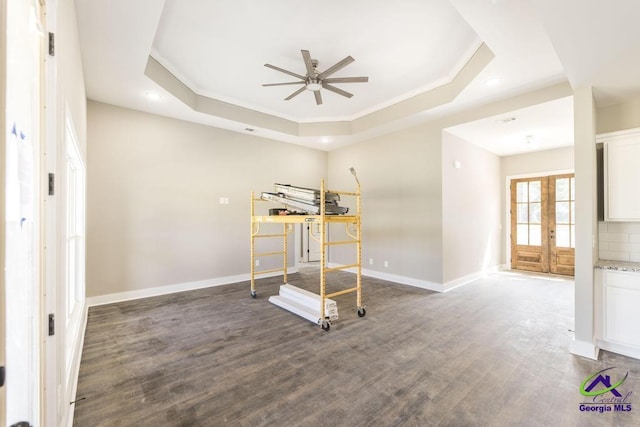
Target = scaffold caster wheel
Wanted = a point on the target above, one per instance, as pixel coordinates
(361, 312)
(325, 325)
(253, 294)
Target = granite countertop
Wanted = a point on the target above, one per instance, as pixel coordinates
(618, 265)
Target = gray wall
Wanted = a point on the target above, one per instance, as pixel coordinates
(559, 159)
(154, 184)
(618, 117)
(401, 200)
(402, 186)
(471, 209)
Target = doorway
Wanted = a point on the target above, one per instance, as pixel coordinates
(310, 246)
(543, 224)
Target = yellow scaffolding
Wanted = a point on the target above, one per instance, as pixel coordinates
(321, 221)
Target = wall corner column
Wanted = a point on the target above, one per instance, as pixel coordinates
(584, 343)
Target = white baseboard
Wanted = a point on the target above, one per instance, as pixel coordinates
(179, 287)
(471, 277)
(403, 280)
(584, 349)
(620, 349)
(424, 284)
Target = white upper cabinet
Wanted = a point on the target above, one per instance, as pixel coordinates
(621, 175)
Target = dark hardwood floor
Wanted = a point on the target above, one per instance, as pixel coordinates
(494, 352)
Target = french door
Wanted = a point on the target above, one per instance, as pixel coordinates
(543, 224)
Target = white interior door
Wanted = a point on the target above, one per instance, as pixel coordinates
(22, 225)
(3, 128)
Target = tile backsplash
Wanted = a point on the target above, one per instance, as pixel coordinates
(619, 241)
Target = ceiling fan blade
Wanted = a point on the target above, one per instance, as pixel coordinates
(282, 84)
(326, 73)
(306, 56)
(336, 90)
(282, 70)
(318, 97)
(298, 92)
(347, 80)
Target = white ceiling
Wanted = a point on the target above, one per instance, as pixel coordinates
(410, 49)
(540, 127)
(232, 40)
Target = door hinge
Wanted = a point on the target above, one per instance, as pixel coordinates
(2, 376)
(52, 186)
(52, 44)
(52, 325)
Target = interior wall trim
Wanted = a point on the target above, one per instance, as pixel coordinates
(465, 280)
(619, 348)
(402, 280)
(178, 287)
(75, 368)
(584, 349)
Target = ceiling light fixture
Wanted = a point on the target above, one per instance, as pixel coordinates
(493, 81)
(313, 85)
(154, 96)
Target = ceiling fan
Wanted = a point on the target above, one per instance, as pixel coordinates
(315, 80)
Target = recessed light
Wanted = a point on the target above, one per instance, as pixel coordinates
(493, 81)
(325, 140)
(154, 96)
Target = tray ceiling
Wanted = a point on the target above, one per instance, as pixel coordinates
(204, 59)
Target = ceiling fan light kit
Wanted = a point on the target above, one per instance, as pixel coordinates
(313, 85)
(315, 80)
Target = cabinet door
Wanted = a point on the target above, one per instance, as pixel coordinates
(622, 175)
(622, 317)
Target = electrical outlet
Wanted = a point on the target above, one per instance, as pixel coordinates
(386, 264)
(257, 263)
(370, 261)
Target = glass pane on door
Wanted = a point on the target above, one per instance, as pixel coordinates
(563, 236)
(535, 234)
(522, 234)
(522, 192)
(565, 213)
(535, 195)
(529, 213)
